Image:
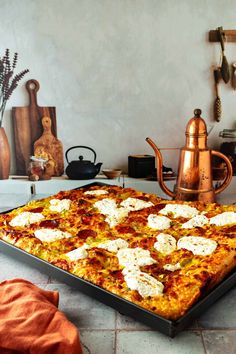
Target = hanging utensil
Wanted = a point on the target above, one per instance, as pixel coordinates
(233, 78)
(224, 64)
(217, 103)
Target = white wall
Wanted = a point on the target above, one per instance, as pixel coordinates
(120, 70)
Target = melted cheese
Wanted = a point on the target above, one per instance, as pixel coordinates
(199, 246)
(51, 235)
(26, 218)
(133, 204)
(158, 222)
(78, 253)
(96, 192)
(114, 245)
(59, 205)
(197, 221)
(172, 267)
(129, 257)
(165, 244)
(113, 214)
(105, 205)
(226, 218)
(131, 268)
(179, 210)
(116, 216)
(144, 283)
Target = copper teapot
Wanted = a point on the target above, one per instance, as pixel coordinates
(195, 180)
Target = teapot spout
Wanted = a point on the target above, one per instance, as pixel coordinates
(98, 166)
(160, 168)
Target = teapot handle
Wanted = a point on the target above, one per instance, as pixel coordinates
(229, 172)
(83, 147)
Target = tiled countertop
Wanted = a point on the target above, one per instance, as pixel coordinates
(104, 330)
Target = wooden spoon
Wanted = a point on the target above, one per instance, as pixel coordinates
(217, 103)
(233, 79)
(224, 64)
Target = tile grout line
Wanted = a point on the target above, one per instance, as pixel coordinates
(203, 342)
(115, 339)
(49, 280)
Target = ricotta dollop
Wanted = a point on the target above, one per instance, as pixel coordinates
(129, 257)
(165, 244)
(114, 245)
(144, 283)
(179, 210)
(200, 246)
(197, 221)
(59, 205)
(108, 207)
(158, 222)
(78, 253)
(172, 267)
(51, 235)
(226, 218)
(133, 204)
(96, 192)
(116, 214)
(26, 218)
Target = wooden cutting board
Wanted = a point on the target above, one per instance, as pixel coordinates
(50, 148)
(27, 125)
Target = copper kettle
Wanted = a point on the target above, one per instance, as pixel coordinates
(195, 180)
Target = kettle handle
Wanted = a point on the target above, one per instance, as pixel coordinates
(229, 173)
(83, 147)
(159, 161)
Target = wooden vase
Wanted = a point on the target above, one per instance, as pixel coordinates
(4, 155)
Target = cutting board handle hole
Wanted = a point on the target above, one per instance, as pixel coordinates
(32, 85)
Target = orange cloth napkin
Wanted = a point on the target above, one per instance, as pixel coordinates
(31, 323)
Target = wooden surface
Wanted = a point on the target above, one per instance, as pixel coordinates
(28, 126)
(229, 35)
(50, 148)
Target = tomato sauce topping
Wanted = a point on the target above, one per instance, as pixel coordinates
(87, 219)
(49, 224)
(83, 234)
(117, 274)
(125, 229)
(37, 210)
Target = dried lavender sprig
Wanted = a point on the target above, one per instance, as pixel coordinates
(14, 61)
(8, 82)
(8, 64)
(14, 82)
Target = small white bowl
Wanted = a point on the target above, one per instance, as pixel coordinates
(112, 173)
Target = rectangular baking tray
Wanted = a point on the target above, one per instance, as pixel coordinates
(127, 308)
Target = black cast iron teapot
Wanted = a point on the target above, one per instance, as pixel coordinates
(82, 169)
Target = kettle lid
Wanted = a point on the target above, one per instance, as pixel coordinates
(82, 162)
(196, 126)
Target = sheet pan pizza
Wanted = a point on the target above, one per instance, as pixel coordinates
(161, 255)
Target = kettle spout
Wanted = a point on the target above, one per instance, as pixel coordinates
(98, 166)
(160, 168)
